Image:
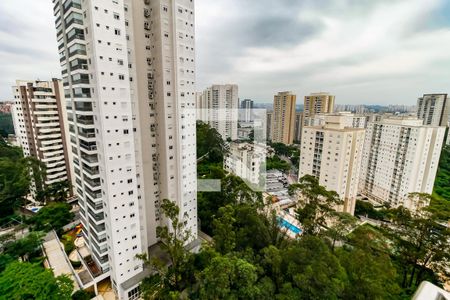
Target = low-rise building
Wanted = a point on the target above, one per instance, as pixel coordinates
(246, 161)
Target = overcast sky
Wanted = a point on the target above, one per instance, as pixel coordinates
(363, 51)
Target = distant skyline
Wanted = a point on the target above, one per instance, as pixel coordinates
(363, 51)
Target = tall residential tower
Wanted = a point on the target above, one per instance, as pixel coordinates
(129, 79)
(40, 126)
(220, 109)
(332, 153)
(318, 103)
(401, 156)
(434, 109)
(283, 118)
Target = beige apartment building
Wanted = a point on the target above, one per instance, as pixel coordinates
(332, 153)
(39, 123)
(283, 118)
(318, 103)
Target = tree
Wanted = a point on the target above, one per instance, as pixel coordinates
(229, 277)
(14, 178)
(53, 216)
(233, 191)
(224, 234)
(30, 281)
(57, 192)
(25, 248)
(371, 275)
(170, 277)
(341, 226)
(421, 243)
(313, 270)
(317, 205)
(210, 142)
(275, 163)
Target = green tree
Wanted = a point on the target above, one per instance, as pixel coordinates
(210, 143)
(57, 192)
(224, 235)
(14, 178)
(317, 204)
(25, 248)
(30, 281)
(53, 216)
(340, 228)
(421, 243)
(170, 277)
(229, 277)
(370, 275)
(275, 163)
(313, 269)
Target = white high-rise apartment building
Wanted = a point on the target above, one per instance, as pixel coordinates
(332, 153)
(129, 78)
(434, 109)
(220, 109)
(401, 156)
(41, 130)
(246, 108)
(245, 160)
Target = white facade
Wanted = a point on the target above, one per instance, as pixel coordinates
(401, 156)
(347, 118)
(246, 111)
(332, 153)
(220, 109)
(129, 74)
(433, 109)
(38, 116)
(245, 160)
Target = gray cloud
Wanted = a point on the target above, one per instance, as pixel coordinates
(361, 50)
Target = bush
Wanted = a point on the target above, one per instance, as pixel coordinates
(82, 295)
(75, 264)
(68, 247)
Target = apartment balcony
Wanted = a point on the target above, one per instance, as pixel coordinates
(57, 169)
(92, 194)
(52, 148)
(55, 164)
(56, 176)
(99, 239)
(95, 206)
(49, 136)
(89, 159)
(45, 143)
(96, 217)
(88, 136)
(49, 182)
(99, 229)
(92, 171)
(92, 147)
(92, 183)
(49, 129)
(85, 120)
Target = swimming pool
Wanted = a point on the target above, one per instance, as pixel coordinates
(285, 224)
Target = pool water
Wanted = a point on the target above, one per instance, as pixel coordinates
(289, 226)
